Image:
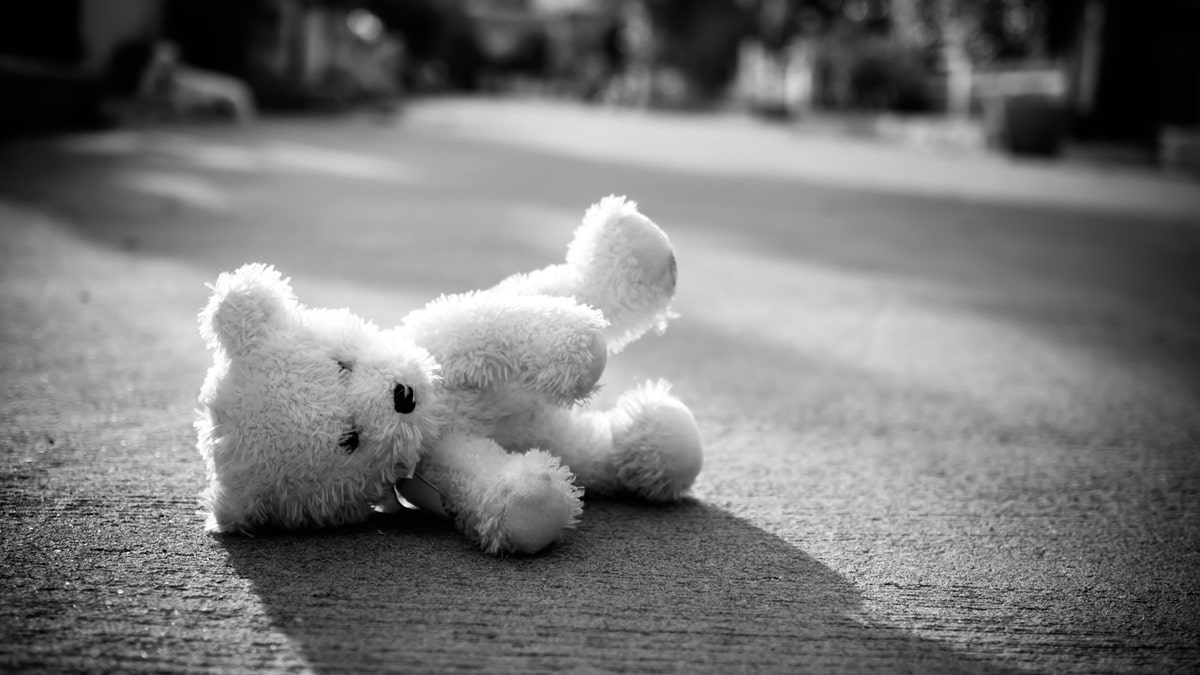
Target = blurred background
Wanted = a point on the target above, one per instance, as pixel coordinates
(1022, 76)
(939, 324)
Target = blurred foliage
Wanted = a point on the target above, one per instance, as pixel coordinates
(700, 38)
(891, 54)
(1006, 30)
(991, 30)
(436, 33)
(873, 72)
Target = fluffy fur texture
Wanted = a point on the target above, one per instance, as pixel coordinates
(309, 415)
(513, 402)
(547, 346)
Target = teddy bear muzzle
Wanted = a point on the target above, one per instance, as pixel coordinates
(404, 398)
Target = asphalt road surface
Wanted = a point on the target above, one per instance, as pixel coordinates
(950, 404)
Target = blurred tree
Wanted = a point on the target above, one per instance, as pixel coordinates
(700, 38)
(439, 40)
(214, 34)
(47, 30)
(992, 30)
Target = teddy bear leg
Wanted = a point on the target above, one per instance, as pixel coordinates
(647, 445)
(539, 505)
(656, 449)
(506, 502)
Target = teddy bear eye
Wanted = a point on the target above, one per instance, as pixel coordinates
(345, 365)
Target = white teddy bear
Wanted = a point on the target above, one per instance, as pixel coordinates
(473, 405)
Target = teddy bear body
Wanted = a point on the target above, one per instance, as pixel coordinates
(500, 470)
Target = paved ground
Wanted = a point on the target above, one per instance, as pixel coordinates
(949, 403)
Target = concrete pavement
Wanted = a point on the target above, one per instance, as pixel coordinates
(949, 403)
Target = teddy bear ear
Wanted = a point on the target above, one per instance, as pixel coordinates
(246, 305)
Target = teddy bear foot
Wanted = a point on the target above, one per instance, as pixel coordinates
(657, 449)
(537, 501)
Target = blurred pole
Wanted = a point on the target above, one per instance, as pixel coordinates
(958, 64)
(906, 21)
(1091, 52)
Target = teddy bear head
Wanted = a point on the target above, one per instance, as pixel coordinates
(309, 415)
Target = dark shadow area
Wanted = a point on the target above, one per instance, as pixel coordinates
(688, 588)
(216, 219)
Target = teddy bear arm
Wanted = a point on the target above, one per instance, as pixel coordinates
(547, 345)
(558, 280)
(619, 262)
(506, 503)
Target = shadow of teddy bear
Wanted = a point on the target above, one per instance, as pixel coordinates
(688, 588)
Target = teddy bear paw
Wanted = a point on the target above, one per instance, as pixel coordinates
(658, 453)
(617, 241)
(536, 503)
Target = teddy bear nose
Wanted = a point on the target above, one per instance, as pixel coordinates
(404, 398)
